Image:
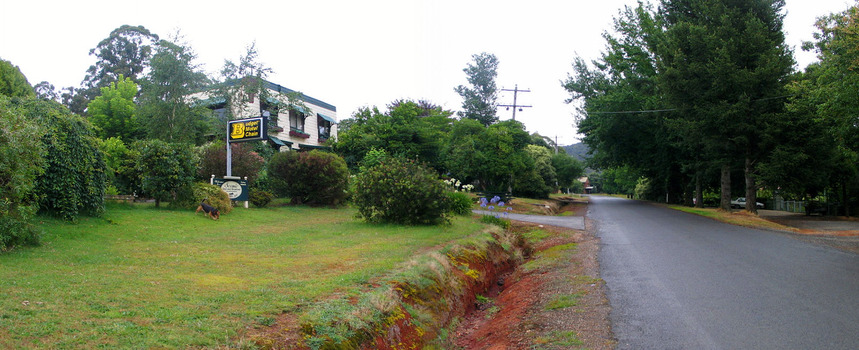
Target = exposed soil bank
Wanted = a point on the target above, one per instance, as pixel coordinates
(554, 301)
(407, 309)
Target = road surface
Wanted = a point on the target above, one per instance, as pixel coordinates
(680, 281)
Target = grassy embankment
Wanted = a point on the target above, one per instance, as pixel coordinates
(740, 218)
(148, 278)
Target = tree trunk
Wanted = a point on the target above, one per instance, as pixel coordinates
(725, 203)
(689, 194)
(844, 202)
(699, 196)
(751, 188)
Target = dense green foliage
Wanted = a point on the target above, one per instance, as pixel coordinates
(491, 157)
(401, 191)
(113, 113)
(315, 177)
(164, 97)
(824, 112)
(414, 130)
(74, 179)
(21, 162)
(167, 170)
(567, 169)
(479, 99)
(700, 82)
(121, 163)
(543, 169)
(13, 83)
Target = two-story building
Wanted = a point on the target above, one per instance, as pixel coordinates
(289, 129)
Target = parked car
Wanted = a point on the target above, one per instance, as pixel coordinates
(740, 203)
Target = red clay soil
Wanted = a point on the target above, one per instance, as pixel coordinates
(401, 335)
(520, 319)
(488, 329)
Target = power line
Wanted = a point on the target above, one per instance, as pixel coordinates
(674, 109)
(632, 112)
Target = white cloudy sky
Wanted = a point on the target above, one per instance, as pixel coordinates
(357, 53)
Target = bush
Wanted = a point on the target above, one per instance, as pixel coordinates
(493, 220)
(199, 191)
(530, 185)
(260, 198)
(74, 178)
(245, 161)
(401, 191)
(120, 161)
(460, 203)
(315, 177)
(20, 138)
(167, 170)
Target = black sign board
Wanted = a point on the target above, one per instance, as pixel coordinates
(250, 129)
(236, 189)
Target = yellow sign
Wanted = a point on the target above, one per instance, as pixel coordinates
(247, 129)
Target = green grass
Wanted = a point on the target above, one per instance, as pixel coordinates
(144, 277)
(740, 218)
(562, 301)
(566, 339)
(550, 257)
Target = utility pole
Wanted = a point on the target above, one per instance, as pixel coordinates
(516, 92)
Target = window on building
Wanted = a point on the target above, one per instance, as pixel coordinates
(296, 120)
(324, 129)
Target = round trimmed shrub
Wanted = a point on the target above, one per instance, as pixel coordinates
(402, 192)
(260, 198)
(315, 177)
(460, 203)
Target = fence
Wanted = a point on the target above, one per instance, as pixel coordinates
(790, 206)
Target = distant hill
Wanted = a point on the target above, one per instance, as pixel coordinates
(578, 151)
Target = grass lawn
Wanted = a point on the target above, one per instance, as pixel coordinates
(155, 278)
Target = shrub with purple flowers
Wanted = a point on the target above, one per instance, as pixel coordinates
(496, 206)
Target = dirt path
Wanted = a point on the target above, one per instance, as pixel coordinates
(556, 301)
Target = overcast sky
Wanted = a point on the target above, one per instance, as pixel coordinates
(357, 53)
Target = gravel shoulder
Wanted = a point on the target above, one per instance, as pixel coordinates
(556, 300)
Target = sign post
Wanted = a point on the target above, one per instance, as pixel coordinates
(241, 130)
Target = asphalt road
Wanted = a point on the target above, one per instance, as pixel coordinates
(679, 281)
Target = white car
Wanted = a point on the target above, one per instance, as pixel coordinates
(740, 203)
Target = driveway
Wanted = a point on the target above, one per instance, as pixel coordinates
(573, 222)
(816, 223)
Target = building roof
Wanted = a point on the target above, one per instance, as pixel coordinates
(308, 99)
(274, 87)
